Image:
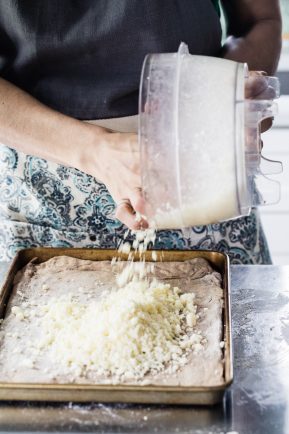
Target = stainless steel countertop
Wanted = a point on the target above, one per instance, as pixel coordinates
(257, 402)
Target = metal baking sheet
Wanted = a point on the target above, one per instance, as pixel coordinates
(122, 393)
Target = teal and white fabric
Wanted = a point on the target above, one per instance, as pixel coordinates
(46, 204)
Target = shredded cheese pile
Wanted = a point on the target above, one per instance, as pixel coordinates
(143, 327)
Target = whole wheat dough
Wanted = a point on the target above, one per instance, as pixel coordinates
(20, 360)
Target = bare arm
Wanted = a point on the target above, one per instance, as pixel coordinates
(31, 127)
(254, 33)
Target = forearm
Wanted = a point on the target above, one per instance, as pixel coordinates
(31, 127)
(254, 33)
(257, 48)
(113, 158)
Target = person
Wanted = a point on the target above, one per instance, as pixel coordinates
(69, 159)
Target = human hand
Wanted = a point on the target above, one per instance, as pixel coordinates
(257, 87)
(115, 161)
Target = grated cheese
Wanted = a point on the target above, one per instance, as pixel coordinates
(139, 328)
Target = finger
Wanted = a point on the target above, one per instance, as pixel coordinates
(138, 203)
(265, 93)
(126, 215)
(266, 124)
(137, 200)
(255, 85)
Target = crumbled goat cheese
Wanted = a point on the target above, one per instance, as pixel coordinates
(139, 328)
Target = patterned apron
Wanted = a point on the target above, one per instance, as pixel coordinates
(47, 204)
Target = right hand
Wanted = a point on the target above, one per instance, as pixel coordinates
(114, 159)
(257, 88)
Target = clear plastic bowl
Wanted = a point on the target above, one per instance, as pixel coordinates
(200, 141)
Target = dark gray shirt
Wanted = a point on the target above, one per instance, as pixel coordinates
(84, 57)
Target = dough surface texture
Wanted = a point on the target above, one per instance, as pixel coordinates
(61, 308)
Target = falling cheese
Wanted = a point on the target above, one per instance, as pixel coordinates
(143, 327)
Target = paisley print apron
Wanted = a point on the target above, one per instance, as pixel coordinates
(47, 204)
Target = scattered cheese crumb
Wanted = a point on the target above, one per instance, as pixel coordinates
(125, 248)
(114, 260)
(154, 255)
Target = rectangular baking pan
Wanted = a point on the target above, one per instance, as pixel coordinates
(122, 393)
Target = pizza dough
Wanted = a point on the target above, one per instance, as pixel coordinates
(50, 297)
